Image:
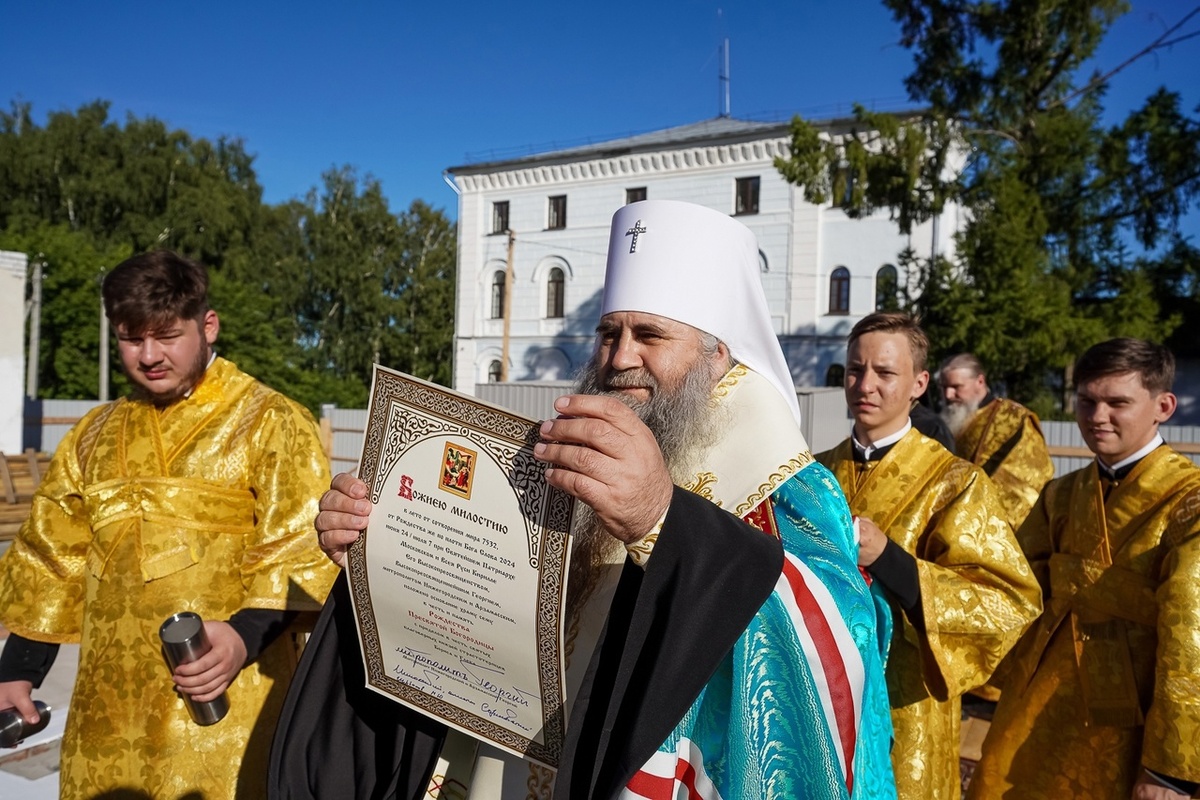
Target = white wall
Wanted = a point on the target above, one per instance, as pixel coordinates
(12, 349)
(800, 243)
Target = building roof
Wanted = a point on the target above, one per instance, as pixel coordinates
(722, 130)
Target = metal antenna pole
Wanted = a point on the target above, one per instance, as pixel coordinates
(723, 81)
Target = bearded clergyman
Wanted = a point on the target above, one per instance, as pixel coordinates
(741, 656)
(1001, 436)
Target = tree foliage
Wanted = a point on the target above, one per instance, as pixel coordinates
(310, 292)
(1054, 199)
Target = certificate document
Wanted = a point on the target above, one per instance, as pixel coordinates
(459, 582)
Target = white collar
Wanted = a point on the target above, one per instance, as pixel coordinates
(890, 439)
(1133, 459)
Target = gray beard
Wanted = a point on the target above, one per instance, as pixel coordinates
(958, 415)
(683, 420)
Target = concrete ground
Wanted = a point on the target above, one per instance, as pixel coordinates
(30, 771)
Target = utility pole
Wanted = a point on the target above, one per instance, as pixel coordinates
(35, 330)
(508, 282)
(103, 353)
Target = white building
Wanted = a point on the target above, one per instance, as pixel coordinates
(12, 349)
(820, 269)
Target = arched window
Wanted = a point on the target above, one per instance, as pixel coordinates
(555, 293)
(494, 372)
(835, 375)
(839, 291)
(887, 287)
(498, 295)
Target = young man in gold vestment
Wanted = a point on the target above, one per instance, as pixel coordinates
(1102, 695)
(1000, 435)
(934, 539)
(195, 494)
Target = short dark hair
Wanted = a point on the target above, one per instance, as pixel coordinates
(150, 291)
(1153, 363)
(895, 322)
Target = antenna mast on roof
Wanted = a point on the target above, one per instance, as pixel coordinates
(723, 82)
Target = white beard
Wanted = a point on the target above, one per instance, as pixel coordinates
(958, 415)
(684, 421)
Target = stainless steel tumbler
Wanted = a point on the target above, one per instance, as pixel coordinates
(14, 729)
(183, 641)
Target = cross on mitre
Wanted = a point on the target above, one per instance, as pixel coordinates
(635, 231)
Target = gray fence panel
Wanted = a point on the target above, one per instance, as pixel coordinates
(48, 421)
(1066, 434)
(823, 411)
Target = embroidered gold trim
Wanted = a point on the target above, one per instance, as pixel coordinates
(731, 379)
(640, 550)
(702, 485)
(774, 481)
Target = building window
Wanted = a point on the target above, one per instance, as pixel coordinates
(887, 288)
(498, 295)
(843, 187)
(839, 291)
(555, 293)
(500, 216)
(835, 375)
(635, 195)
(557, 218)
(494, 372)
(747, 196)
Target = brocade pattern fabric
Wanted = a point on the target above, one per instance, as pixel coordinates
(978, 595)
(1108, 680)
(206, 505)
(1005, 439)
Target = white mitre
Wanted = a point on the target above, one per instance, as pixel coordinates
(700, 267)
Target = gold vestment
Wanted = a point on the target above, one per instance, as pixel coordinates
(977, 592)
(1108, 680)
(206, 505)
(1005, 439)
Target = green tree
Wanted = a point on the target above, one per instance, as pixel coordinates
(364, 285)
(69, 335)
(1053, 198)
(310, 292)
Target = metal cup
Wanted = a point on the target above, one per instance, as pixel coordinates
(14, 729)
(183, 641)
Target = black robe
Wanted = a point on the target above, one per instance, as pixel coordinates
(338, 739)
(669, 627)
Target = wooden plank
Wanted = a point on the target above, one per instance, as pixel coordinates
(31, 456)
(326, 434)
(10, 488)
(1066, 451)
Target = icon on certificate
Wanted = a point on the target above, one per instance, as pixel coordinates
(457, 470)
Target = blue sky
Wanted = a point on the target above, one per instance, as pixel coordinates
(403, 90)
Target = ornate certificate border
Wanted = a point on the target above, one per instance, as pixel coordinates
(405, 411)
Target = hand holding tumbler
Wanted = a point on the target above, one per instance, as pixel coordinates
(14, 729)
(184, 641)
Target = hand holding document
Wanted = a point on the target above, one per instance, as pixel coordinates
(459, 582)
